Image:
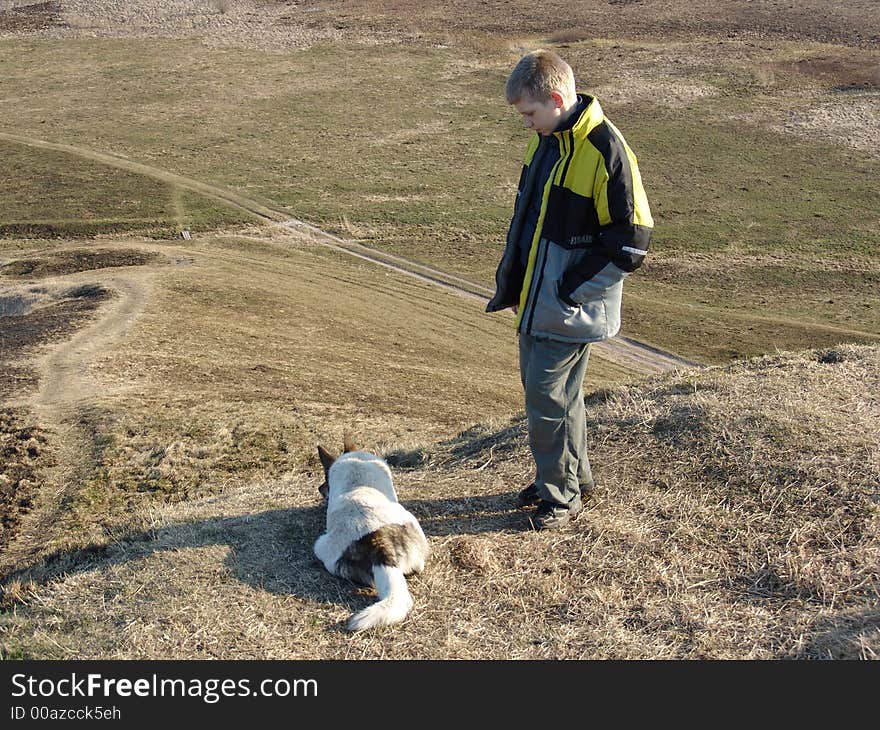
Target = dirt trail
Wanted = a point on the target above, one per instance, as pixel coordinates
(65, 385)
(64, 378)
(628, 352)
(625, 351)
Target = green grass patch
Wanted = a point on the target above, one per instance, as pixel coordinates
(51, 194)
(733, 187)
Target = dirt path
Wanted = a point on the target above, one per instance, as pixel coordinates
(631, 353)
(63, 370)
(64, 378)
(65, 385)
(623, 350)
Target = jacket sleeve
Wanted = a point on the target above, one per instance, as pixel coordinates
(625, 223)
(624, 220)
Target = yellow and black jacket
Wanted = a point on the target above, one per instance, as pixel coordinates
(594, 229)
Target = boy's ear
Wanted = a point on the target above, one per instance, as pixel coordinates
(326, 457)
(557, 98)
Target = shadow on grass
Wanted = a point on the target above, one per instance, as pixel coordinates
(269, 550)
(845, 635)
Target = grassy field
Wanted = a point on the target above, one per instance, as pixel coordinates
(315, 131)
(162, 397)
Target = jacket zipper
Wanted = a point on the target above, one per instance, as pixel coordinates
(532, 298)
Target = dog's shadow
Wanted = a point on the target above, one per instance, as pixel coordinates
(272, 550)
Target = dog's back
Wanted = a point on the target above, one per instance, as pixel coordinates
(370, 537)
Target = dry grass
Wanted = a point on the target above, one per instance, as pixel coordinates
(242, 378)
(852, 23)
(737, 519)
(275, 343)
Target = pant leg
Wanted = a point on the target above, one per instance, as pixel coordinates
(585, 473)
(552, 374)
(525, 352)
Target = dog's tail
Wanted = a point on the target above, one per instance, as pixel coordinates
(394, 602)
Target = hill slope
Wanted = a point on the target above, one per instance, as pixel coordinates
(160, 398)
(738, 518)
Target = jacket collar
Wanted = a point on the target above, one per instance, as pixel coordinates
(590, 117)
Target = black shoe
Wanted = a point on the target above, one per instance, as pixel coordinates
(529, 496)
(552, 516)
(587, 491)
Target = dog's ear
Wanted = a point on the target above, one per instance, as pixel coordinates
(327, 460)
(348, 443)
(326, 457)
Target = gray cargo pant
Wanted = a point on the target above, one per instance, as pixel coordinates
(552, 377)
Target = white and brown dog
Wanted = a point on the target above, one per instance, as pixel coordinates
(370, 538)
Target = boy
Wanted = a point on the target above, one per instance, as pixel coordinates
(581, 224)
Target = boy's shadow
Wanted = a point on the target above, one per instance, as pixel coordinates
(272, 550)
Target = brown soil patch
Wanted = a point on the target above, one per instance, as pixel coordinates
(853, 23)
(36, 16)
(35, 320)
(839, 74)
(281, 24)
(21, 448)
(74, 260)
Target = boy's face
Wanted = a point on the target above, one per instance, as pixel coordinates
(541, 116)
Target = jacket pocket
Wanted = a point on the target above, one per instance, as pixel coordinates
(563, 297)
(608, 278)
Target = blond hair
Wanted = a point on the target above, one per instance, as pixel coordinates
(537, 74)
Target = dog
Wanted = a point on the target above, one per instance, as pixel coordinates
(370, 538)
